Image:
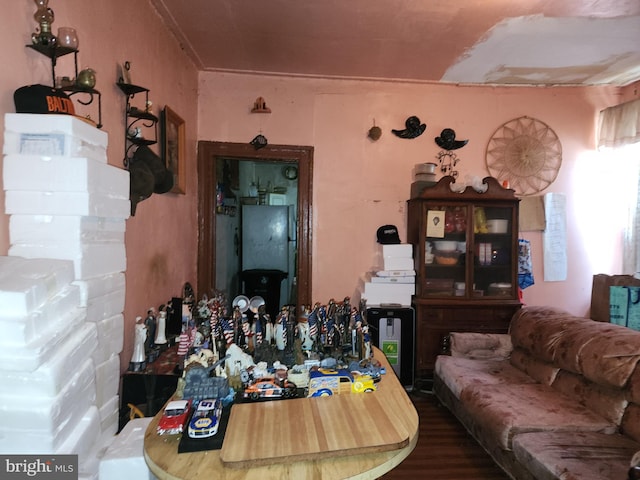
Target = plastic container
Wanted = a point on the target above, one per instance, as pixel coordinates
(496, 225)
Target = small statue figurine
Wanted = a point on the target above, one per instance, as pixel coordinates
(138, 358)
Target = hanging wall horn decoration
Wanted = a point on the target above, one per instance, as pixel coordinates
(414, 128)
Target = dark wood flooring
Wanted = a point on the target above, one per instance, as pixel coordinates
(445, 451)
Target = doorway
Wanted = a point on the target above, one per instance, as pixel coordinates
(220, 162)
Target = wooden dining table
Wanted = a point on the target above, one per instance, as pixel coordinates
(358, 435)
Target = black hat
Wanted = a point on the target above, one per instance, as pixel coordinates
(42, 99)
(148, 175)
(388, 234)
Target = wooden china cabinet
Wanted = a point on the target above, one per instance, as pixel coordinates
(466, 260)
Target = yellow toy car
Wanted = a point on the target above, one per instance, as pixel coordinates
(325, 382)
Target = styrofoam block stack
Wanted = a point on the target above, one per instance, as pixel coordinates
(49, 379)
(110, 338)
(106, 305)
(107, 380)
(72, 230)
(26, 284)
(21, 329)
(398, 250)
(125, 456)
(42, 424)
(110, 417)
(398, 263)
(64, 174)
(93, 288)
(90, 260)
(84, 441)
(19, 202)
(53, 135)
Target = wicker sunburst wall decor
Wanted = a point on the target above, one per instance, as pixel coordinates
(526, 153)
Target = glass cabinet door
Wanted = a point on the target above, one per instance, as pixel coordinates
(447, 227)
(493, 255)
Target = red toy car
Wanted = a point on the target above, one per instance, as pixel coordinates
(174, 418)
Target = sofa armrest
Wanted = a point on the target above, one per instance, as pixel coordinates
(480, 345)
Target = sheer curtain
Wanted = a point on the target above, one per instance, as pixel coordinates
(619, 135)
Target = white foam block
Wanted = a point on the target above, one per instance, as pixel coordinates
(49, 379)
(107, 380)
(95, 287)
(26, 284)
(402, 250)
(106, 306)
(84, 436)
(383, 293)
(396, 273)
(19, 330)
(110, 338)
(30, 356)
(398, 263)
(72, 230)
(20, 202)
(125, 456)
(109, 415)
(66, 125)
(376, 279)
(90, 260)
(50, 416)
(64, 174)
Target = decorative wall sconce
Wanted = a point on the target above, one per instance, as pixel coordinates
(413, 128)
(260, 106)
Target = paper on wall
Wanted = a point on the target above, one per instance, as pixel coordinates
(555, 237)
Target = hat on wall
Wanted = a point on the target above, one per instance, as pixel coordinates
(42, 99)
(147, 175)
(388, 234)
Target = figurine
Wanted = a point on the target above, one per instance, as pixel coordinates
(138, 358)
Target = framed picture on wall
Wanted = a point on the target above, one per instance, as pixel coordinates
(173, 148)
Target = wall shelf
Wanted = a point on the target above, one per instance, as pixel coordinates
(138, 122)
(54, 52)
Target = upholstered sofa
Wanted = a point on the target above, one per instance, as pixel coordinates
(558, 397)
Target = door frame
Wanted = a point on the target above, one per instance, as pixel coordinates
(208, 154)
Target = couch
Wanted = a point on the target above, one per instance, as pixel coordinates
(558, 397)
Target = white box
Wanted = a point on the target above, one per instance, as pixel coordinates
(398, 263)
(124, 458)
(50, 377)
(388, 293)
(25, 284)
(50, 418)
(401, 250)
(20, 202)
(110, 415)
(64, 174)
(106, 306)
(30, 356)
(83, 437)
(396, 273)
(69, 229)
(107, 380)
(376, 279)
(91, 288)
(90, 260)
(110, 338)
(20, 330)
(67, 125)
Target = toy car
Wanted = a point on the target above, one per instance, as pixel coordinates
(270, 388)
(174, 417)
(205, 419)
(365, 367)
(324, 382)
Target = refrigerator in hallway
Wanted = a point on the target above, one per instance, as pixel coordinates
(265, 253)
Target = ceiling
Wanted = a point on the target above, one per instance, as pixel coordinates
(500, 42)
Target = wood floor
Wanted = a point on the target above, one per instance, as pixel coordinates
(445, 451)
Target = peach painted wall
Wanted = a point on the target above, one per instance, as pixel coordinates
(161, 239)
(360, 184)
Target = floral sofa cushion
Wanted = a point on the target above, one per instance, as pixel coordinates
(575, 455)
(505, 412)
